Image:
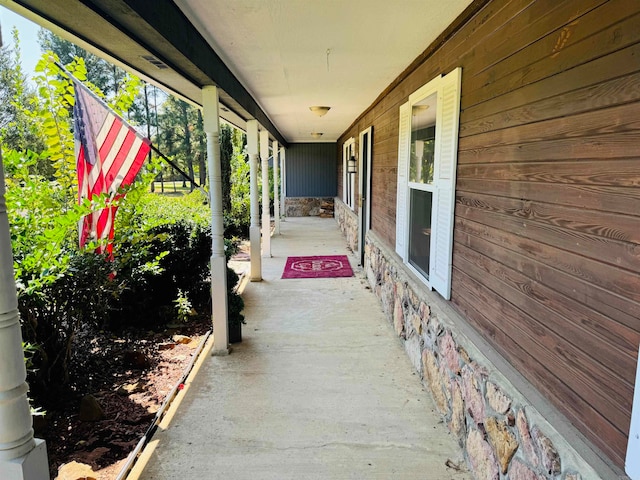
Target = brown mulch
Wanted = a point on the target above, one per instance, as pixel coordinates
(129, 374)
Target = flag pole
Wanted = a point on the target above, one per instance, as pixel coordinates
(180, 171)
(153, 147)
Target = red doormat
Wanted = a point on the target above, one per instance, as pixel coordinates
(317, 267)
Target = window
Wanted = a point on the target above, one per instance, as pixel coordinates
(348, 178)
(427, 156)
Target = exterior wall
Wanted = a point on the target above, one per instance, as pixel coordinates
(547, 222)
(348, 222)
(311, 170)
(502, 434)
(308, 207)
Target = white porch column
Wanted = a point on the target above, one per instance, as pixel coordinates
(266, 215)
(211, 122)
(21, 456)
(283, 181)
(254, 228)
(276, 190)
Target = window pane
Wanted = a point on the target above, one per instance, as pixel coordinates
(420, 230)
(423, 132)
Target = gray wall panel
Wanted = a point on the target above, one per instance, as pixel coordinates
(311, 170)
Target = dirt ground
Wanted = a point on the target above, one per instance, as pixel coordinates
(131, 374)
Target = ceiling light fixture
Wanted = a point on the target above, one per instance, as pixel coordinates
(316, 134)
(320, 110)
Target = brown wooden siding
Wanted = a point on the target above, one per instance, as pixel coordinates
(547, 225)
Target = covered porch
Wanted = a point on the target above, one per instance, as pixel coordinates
(318, 388)
(528, 349)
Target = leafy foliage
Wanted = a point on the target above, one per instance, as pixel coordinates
(106, 77)
(238, 219)
(160, 266)
(60, 288)
(15, 127)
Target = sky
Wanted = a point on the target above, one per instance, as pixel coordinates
(28, 32)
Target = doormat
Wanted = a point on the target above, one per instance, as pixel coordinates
(327, 266)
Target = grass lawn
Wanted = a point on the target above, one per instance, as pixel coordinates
(171, 187)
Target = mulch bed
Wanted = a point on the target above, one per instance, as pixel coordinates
(129, 374)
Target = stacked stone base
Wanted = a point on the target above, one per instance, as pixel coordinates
(348, 223)
(308, 206)
(503, 436)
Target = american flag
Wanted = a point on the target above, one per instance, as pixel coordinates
(109, 154)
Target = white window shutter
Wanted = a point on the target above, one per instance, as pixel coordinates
(404, 136)
(445, 183)
(345, 176)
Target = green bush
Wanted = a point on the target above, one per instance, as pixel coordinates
(179, 239)
(162, 245)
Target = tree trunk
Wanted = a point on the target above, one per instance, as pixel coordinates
(148, 120)
(188, 152)
(226, 152)
(202, 153)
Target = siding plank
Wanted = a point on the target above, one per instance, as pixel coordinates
(604, 224)
(617, 119)
(583, 376)
(617, 64)
(617, 91)
(575, 277)
(622, 200)
(546, 260)
(581, 325)
(623, 173)
(619, 145)
(581, 413)
(604, 42)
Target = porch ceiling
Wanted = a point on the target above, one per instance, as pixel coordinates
(285, 55)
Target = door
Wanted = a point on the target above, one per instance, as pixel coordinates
(364, 183)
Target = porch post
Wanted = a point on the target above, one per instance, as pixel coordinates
(266, 215)
(276, 190)
(283, 182)
(254, 229)
(21, 456)
(211, 122)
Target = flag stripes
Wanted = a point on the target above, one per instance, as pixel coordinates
(109, 155)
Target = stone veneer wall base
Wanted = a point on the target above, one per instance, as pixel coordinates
(348, 222)
(506, 428)
(308, 206)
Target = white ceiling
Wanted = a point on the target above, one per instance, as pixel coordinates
(292, 54)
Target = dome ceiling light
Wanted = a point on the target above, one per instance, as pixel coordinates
(320, 110)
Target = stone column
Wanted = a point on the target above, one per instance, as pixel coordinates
(266, 215)
(276, 190)
(211, 122)
(21, 456)
(254, 228)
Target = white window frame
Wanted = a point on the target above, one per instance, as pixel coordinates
(348, 179)
(447, 89)
(632, 464)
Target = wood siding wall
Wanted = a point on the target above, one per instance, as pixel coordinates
(547, 225)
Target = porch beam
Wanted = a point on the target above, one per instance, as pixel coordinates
(266, 215)
(276, 190)
(22, 457)
(211, 122)
(254, 228)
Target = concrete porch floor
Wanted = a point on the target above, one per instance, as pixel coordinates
(320, 387)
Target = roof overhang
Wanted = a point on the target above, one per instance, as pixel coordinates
(271, 60)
